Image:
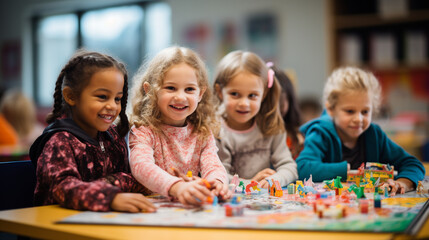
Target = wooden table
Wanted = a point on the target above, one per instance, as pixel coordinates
(39, 222)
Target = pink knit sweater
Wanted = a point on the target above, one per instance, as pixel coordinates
(152, 154)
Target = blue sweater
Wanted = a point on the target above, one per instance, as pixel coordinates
(322, 154)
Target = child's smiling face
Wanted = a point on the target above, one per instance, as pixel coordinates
(351, 115)
(242, 97)
(100, 101)
(179, 94)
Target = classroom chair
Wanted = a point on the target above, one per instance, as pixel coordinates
(17, 183)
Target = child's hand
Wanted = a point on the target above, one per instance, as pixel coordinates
(401, 185)
(263, 174)
(263, 184)
(221, 190)
(132, 202)
(173, 171)
(190, 193)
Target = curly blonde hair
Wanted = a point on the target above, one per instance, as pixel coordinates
(346, 79)
(268, 119)
(145, 110)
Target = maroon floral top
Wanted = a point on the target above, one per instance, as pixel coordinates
(80, 172)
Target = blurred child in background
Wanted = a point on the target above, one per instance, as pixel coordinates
(310, 109)
(290, 112)
(173, 125)
(8, 135)
(252, 137)
(20, 111)
(344, 137)
(81, 157)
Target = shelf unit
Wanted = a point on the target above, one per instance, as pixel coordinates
(362, 36)
(394, 47)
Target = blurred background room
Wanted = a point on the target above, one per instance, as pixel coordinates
(307, 38)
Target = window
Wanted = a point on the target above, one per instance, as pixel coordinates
(56, 42)
(128, 33)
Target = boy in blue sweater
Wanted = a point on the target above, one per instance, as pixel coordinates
(343, 137)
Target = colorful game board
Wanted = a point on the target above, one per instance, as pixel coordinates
(401, 213)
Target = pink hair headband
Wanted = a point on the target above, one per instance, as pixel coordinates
(270, 74)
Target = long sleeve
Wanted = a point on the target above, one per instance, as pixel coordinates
(127, 183)
(60, 176)
(317, 147)
(407, 165)
(143, 167)
(224, 154)
(248, 152)
(282, 161)
(211, 166)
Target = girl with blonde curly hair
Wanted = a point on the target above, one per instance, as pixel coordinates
(172, 128)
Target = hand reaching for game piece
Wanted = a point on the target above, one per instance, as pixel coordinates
(221, 190)
(401, 185)
(190, 193)
(263, 184)
(132, 202)
(263, 174)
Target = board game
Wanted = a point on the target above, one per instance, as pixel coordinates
(398, 214)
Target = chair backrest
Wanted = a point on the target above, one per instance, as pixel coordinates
(17, 183)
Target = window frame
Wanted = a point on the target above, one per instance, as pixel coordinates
(35, 24)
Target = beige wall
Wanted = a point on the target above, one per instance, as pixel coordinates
(301, 24)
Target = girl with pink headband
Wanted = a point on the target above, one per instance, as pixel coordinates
(252, 139)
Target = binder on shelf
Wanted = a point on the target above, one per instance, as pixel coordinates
(415, 48)
(383, 48)
(392, 8)
(350, 49)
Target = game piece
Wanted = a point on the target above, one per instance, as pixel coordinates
(420, 189)
(274, 188)
(377, 201)
(288, 212)
(298, 183)
(291, 188)
(240, 188)
(252, 188)
(309, 182)
(363, 206)
(206, 183)
(235, 180)
(366, 176)
(233, 210)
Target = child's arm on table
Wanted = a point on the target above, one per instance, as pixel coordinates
(132, 202)
(213, 170)
(282, 161)
(127, 183)
(225, 157)
(310, 160)
(220, 189)
(143, 165)
(68, 189)
(217, 187)
(262, 175)
(190, 193)
(408, 166)
(132, 198)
